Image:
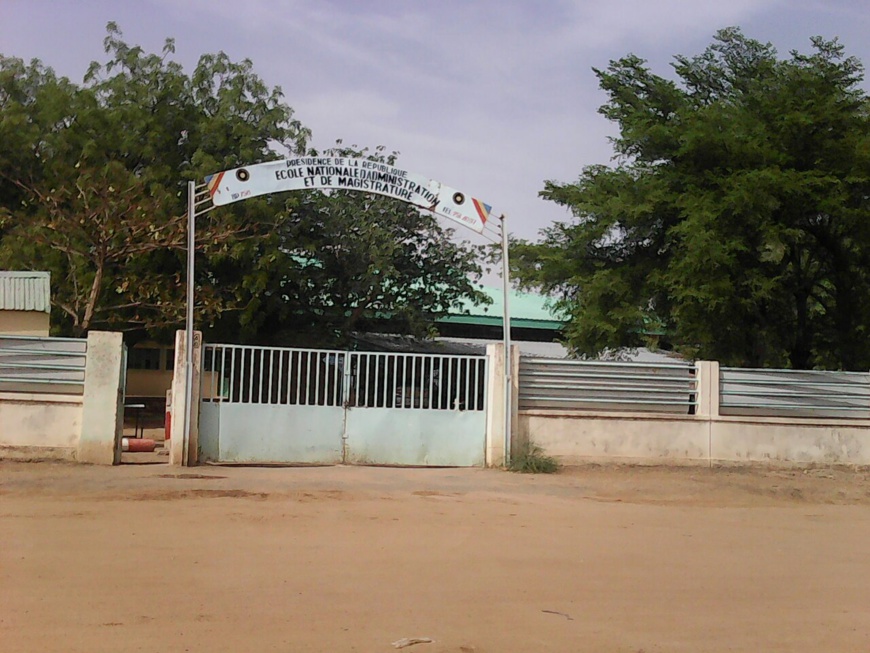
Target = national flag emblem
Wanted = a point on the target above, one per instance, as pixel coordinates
(483, 210)
(213, 181)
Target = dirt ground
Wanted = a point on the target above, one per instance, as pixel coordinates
(153, 558)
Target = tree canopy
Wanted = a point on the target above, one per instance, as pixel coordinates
(93, 188)
(346, 261)
(736, 218)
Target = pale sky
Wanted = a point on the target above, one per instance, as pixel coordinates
(489, 96)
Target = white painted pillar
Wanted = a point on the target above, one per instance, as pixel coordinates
(707, 373)
(103, 400)
(181, 452)
(495, 403)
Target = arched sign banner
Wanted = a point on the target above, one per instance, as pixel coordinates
(344, 173)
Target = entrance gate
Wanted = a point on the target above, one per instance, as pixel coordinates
(283, 405)
(344, 173)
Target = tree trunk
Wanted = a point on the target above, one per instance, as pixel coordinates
(802, 347)
(96, 288)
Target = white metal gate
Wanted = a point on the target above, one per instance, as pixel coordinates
(281, 405)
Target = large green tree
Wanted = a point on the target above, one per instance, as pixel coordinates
(737, 215)
(93, 188)
(349, 261)
(93, 176)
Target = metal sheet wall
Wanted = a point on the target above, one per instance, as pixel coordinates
(34, 364)
(794, 393)
(600, 385)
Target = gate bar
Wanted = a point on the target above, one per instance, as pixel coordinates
(506, 329)
(188, 321)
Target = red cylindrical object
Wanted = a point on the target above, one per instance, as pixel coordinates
(167, 425)
(138, 445)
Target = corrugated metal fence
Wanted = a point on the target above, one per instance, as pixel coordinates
(673, 388)
(599, 385)
(794, 393)
(42, 365)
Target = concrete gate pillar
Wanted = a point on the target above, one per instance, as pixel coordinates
(708, 388)
(495, 403)
(181, 452)
(103, 400)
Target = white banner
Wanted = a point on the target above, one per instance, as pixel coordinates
(347, 174)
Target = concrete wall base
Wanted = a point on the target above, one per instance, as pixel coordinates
(576, 437)
(37, 454)
(40, 420)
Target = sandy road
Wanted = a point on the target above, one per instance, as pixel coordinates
(151, 558)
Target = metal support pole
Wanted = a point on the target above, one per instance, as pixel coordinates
(506, 330)
(188, 326)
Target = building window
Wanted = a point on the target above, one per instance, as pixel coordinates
(143, 359)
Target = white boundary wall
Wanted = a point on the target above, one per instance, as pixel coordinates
(707, 438)
(575, 437)
(85, 427)
(39, 425)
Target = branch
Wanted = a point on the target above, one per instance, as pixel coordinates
(69, 311)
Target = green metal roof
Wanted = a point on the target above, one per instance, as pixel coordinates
(527, 310)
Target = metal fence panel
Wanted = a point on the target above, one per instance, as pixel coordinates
(269, 404)
(320, 377)
(794, 393)
(416, 409)
(242, 374)
(417, 381)
(43, 365)
(547, 383)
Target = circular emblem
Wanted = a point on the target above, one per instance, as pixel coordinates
(242, 174)
(458, 198)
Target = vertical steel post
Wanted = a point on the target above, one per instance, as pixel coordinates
(188, 325)
(506, 330)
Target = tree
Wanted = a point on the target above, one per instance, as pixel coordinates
(348, 261)
(98, 229)
(93, 184)
(93, 188)
(736, 216)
